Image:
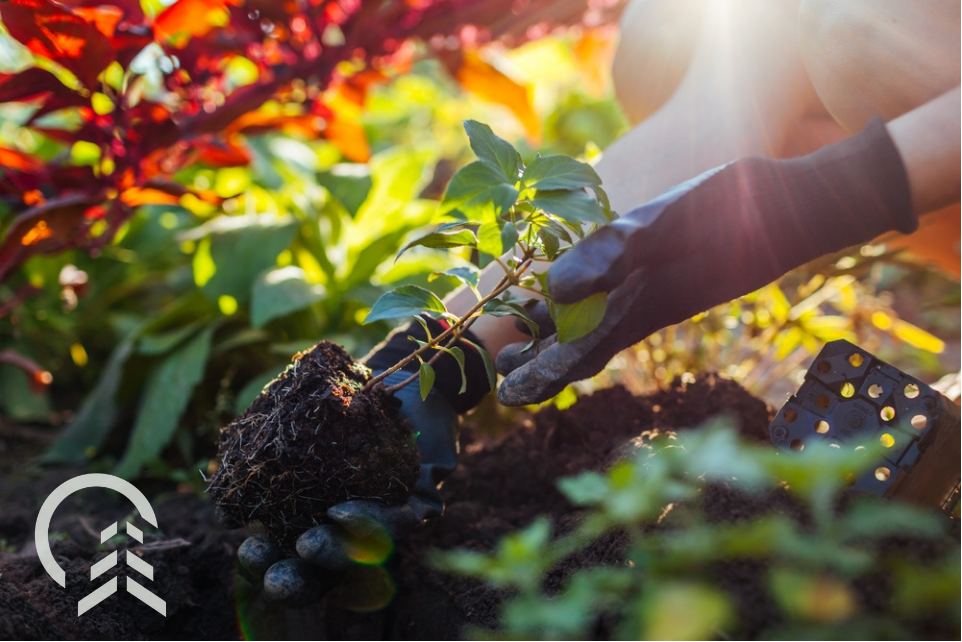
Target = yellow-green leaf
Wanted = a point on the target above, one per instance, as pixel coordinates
(578, 319)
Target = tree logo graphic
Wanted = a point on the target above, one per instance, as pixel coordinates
(128, 490)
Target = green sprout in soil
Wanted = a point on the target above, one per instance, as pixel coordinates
(514, 215)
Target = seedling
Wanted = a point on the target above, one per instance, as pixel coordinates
(326, 430)
(514, 215)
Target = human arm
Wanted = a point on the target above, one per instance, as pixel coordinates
(734, 229)
(928, 142)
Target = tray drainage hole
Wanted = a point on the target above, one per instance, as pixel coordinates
(911, 390)
(791, 415)
(882, 473)
(856, 359)
(919, 422)
(821, 426)
(823, 401)
(875, 391)
(824, 366)
(848, 390)
(797, 445)
(886, 440)
(887, 413)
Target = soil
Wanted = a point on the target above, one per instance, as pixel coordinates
(312, 439)
(503, 484)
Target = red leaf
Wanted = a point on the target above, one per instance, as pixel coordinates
(259, 122)
(130, 40)
(12, 159)
(164, 192)
(356, 86)
(30, 83)
(486, 82)
(46, 228)
(189, 17)
(223, 154)
(51, 31)
(120, 20)
(133, 13)
(347, 134)
(136, 196)
(59, 101)
(104, 18)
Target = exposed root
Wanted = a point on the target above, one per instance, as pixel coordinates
(313, 438)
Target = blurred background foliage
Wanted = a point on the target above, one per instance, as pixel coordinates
(801, 558)
(173, 328)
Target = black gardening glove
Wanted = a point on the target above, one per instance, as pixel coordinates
(364, 532)
(716, 237)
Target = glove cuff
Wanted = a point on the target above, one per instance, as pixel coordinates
(447, 381)
(855, 189)
(436, 435)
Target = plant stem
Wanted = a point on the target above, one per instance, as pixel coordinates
(463, 323)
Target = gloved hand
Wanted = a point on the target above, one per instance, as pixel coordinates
(364, 532)
(709, 240)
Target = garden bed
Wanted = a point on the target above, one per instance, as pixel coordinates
(502, 485)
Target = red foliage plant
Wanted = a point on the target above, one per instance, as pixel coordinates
(309, 55)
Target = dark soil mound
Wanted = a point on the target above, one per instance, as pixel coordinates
(312, 439)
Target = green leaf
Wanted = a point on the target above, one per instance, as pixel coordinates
(456, 225)
(509, 236)
(425, 379)
(404, 301)
(427, 330)
(17, 401)
(442, 240)
(876, 519)
(369, 259)
(602, 197)
(164, 342)
(559, 172)
(559, 229)
(458, 355)
(99, 410)
(584, 489)
(550, 241)
(349, 184)
(681, 610)
(477, 190)
(469, 275)
(421, 344)
(165, 398)
(812, 596)
(575, 206)
(279, 292)
(489, 368)
(490, 240)
(253, 388)
(241, 247)
(578, 319)
(493, 150)
(499, 308)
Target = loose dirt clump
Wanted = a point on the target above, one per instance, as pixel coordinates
(312, 439)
